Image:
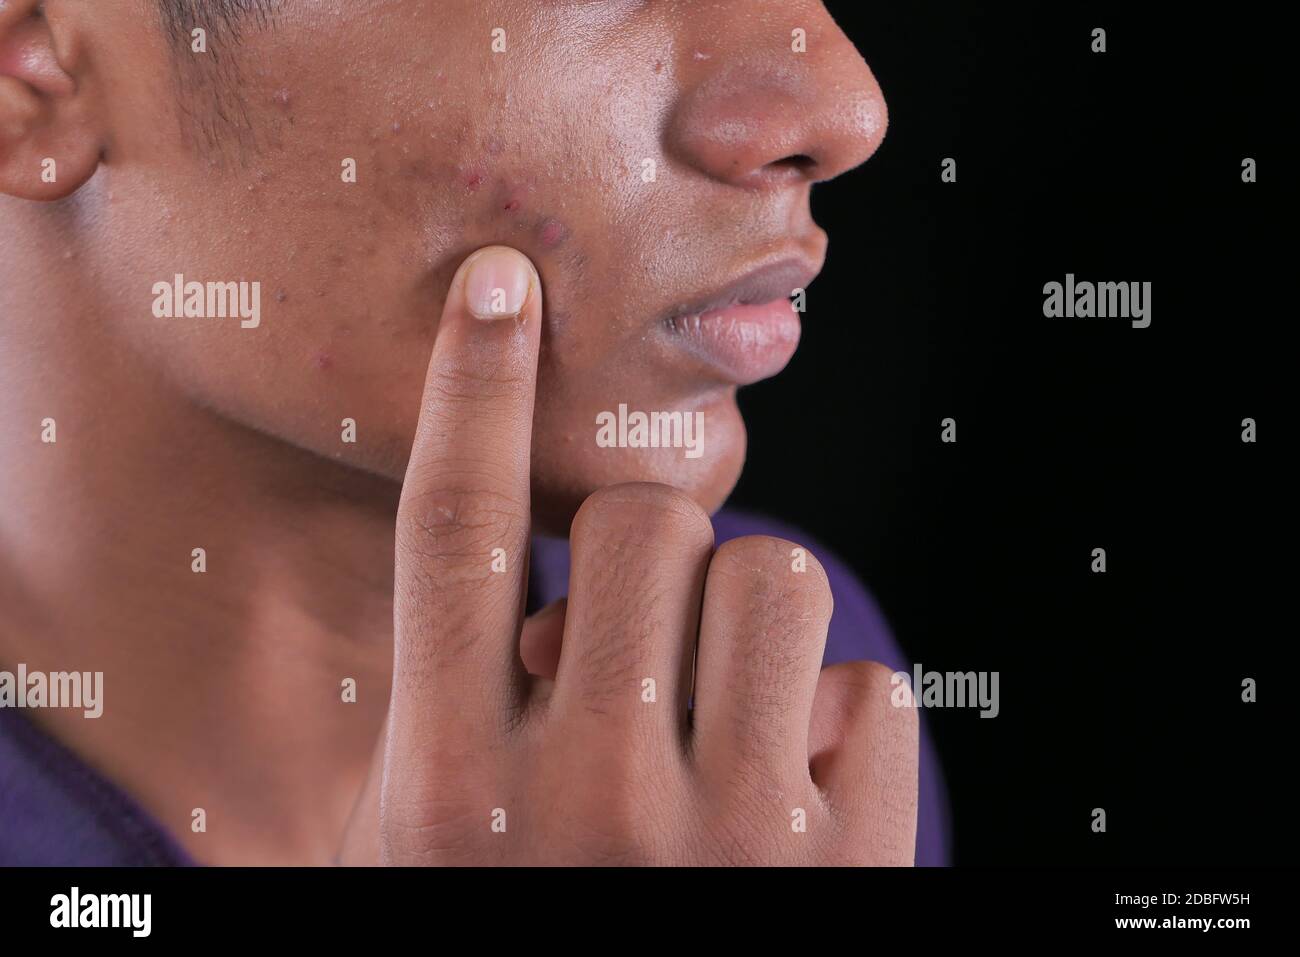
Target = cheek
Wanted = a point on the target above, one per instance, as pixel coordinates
(512, 207)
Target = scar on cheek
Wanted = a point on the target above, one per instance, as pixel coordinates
(552, 232)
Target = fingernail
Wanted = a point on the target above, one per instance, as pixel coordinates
(497, 283)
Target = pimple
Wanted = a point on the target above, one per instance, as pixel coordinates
(282, 98)
(281, 295)
(322, 360)
(552, 232)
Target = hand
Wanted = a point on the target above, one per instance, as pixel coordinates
(595, 758)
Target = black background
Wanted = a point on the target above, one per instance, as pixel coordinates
(1122, 690)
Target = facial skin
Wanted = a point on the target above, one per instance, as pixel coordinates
(175, 433)
(541, 147)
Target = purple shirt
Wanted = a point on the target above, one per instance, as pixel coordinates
(55, 810)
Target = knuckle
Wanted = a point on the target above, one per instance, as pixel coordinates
(464, 384)
(870, 688)
(425, 831)
(608, 822)
(760, 571)
(862, 701)
(864, 680)
(643, 514)
(457, 528)
(616, 802)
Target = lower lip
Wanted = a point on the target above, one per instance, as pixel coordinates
(742, 343)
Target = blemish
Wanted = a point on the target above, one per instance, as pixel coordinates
(703, 56)
(512, 205)
(473, 180)
(282, 98)
(552, 232)
(659, 66)
(322, 360)
(281, 295)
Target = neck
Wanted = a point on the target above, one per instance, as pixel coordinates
(222, 689)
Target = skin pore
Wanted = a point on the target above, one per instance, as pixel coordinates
(221, 689)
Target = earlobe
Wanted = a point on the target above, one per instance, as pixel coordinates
(49, 144)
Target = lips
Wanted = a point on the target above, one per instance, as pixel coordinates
(749, 330)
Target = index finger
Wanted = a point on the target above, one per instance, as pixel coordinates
(463, 520)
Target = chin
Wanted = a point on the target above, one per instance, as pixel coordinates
(563, 478)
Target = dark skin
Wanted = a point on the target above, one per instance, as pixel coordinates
(222, 688)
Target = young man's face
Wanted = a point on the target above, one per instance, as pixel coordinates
(648, 156)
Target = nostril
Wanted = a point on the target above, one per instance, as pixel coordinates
(799, 166)
(801, 162)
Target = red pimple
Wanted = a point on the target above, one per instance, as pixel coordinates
(552, 233)
(473, 181)
(323, 360)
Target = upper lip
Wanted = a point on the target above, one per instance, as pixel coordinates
(768, 283)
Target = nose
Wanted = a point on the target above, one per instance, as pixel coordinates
(766, 106)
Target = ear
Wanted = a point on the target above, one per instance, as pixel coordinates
(49, 143)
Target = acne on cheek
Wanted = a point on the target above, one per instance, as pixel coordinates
(552, 233)
(509, 201)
